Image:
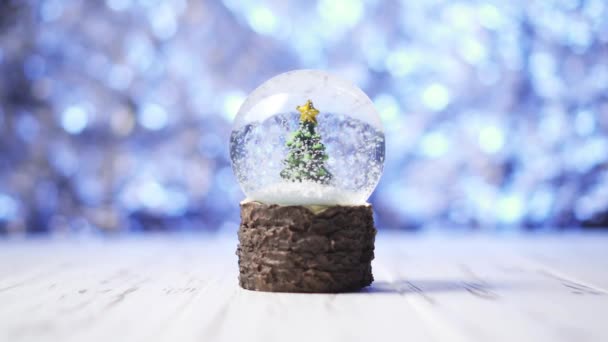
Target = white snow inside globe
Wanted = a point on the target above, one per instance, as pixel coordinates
(307, 137)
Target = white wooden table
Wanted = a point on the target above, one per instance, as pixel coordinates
(184, 288)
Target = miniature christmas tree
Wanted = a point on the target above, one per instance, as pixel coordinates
(306, 158)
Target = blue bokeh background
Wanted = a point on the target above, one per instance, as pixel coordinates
(115, 115)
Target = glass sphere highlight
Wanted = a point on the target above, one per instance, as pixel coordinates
(306, 137)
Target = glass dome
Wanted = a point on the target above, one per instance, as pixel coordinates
(306, 137)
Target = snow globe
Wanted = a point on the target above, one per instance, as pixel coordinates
(307, 149)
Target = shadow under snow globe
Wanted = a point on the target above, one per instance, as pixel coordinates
(307, 149)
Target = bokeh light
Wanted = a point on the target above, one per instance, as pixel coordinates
(115, 115)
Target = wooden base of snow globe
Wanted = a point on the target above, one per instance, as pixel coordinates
(314, 249)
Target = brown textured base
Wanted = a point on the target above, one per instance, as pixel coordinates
(296, 249)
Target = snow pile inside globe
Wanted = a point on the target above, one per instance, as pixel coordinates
(306, 137)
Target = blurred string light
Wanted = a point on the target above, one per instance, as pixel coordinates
(434, 144)
(262, 20)
(162, 18)
(388, 107)
(491, 139)
(539, 206)
(232, 102)
(153, 117)
(74, 119)
(116, 114)
(436, 97)
(8, 208)
(340, 14)
(401, 62)
(584, 123)
(510, 209)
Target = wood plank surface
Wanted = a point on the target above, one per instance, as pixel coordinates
(427, 288)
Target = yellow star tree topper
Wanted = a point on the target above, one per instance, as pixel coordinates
(308, 112)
